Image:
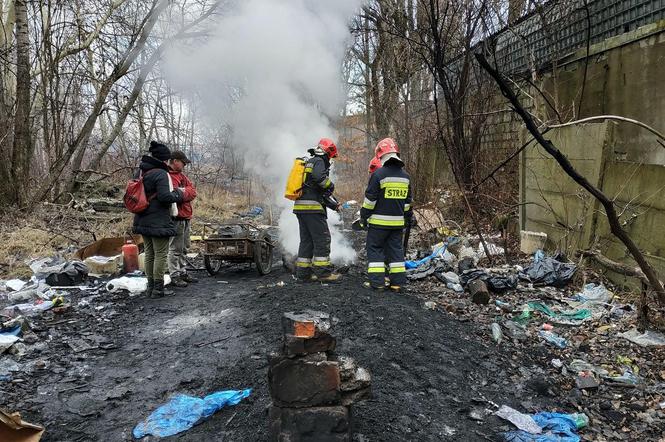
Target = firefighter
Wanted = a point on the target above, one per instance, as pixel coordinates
(313, 263)
(386, 211)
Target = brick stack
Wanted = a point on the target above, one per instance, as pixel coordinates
(312, 388)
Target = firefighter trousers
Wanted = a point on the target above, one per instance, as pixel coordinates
(385, 249)
(314, 249)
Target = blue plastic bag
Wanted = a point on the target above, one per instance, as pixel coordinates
(415, 264)
(182, 412)
(557, 427)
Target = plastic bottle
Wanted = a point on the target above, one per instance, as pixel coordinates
(130, 257)
(553, 339)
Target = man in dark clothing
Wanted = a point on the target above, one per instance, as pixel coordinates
(155, 223)
(386, 211)
(180, 243)
(313, 261)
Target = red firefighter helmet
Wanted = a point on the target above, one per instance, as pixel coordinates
(374, 164)
(387, 145)
(328, 146)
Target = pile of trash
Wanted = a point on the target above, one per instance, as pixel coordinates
(591, 349)
(56, 287)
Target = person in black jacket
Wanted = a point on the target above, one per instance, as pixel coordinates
(313, 263)
(155, 223)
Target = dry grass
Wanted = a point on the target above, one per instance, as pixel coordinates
(50, 230)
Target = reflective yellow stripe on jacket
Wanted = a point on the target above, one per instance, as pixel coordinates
(386, 220)
(307, 206)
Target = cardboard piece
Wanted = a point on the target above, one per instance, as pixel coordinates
(107, 247)
(14, 429)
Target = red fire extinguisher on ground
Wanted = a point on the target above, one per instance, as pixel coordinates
(130, 257)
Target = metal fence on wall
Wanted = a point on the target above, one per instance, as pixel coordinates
(561, 28)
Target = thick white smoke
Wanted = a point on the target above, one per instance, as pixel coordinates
(272, 71)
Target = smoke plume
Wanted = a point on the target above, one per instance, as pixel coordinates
(271, 70)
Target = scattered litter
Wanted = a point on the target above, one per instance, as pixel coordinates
(553, 339)
(530, 242)
(6, 341)
(506, 307)
(549, 271)
(28, 309)
(132, 285)
(556, 363)
(515, 330)
(14, 429)
(547, 327)
(415, 264)
(522, 421)
(555, 427)
(103, 265)
(15, 284)
(496, 283)
(497, 334)
(593, 293)
(70, 273)
(574, 317)
(649, 338)
(182, 412)
(586, 381)
(430, 305)
(578, 365)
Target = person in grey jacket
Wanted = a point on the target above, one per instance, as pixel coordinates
(156, 224)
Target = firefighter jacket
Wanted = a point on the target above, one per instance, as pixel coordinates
(316, 184)
(387, 203)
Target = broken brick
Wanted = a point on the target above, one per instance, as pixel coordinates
(301, 383)
(306, 324)
(298, 346)
(317, 424)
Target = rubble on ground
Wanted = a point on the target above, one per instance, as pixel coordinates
(591, 355)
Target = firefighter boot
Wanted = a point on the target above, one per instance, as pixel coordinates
(332, 278)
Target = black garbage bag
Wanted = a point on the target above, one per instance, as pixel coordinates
(549, 271)
(496, 283)
(70, 273)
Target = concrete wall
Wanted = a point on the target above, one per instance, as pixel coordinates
(625, 77)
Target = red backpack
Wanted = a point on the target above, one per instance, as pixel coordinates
(135, 198)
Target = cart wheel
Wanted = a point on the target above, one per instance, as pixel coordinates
(263, 253)
(212, 264)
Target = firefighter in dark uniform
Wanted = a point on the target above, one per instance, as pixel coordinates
(386, 211)
(313, 263)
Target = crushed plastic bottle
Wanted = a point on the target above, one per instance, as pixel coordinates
(497, 334)
(525, 316)
(553, 339)
(581, 420)
(503, 305)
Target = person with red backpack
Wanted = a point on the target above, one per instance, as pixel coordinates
(181, 242)
(155, 223)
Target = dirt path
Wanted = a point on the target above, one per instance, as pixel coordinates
(431, 373)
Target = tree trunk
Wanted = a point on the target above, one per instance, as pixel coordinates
(22, 150)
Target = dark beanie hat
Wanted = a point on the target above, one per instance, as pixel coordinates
(160, 151)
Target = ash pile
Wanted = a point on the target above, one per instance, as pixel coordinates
(312, 389)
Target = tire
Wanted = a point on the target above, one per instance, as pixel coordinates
(212, 264)
(263, 249)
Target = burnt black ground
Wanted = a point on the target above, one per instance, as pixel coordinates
(430, 371)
